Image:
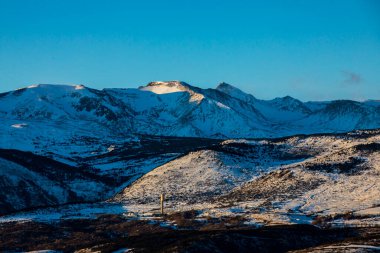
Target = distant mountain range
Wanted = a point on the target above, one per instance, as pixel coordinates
(176, 108)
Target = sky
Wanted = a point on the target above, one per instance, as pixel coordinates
(311, 49)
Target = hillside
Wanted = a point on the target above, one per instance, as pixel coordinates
(325, 175)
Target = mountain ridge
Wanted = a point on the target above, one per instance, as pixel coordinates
(176, 108)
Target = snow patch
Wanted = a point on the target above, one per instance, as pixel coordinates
(222, 106)
(32, 86)
(20, 125)
(163, 88)
(111, 148)
(79, 87)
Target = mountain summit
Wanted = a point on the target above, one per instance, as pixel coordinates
(235, 92)
(163, 87)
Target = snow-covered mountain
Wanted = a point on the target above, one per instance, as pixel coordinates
(176, 108)
(88, 144)
(62, 102)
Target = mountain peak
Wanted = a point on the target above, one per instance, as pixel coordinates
(286, 100)
(163, 87)
(225, 86)
(43, 85)
(168, 83)
(234, 92)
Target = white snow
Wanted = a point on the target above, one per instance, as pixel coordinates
(67, 122)
(164, 87)
(20, 125)
(177, 109)
(111, 148)
(32, 86)
(79, 87)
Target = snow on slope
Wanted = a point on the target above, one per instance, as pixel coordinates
(276, 181)
(189, 111)
(235, 92)
(89, 129)
(355, 185)
(278, 109)
(340, 177)
(308, 175)
(176, 108)
(41, 191)
(64, 104)
(312, 117)
(65, 140)
(46, 101)
(342, 116)
(28, 181)
(164, 87)
(200, 176)
(80, 168)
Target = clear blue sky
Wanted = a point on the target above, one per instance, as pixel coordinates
(311, 50)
